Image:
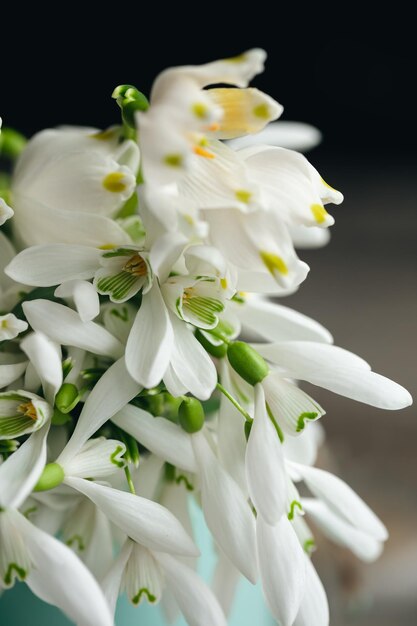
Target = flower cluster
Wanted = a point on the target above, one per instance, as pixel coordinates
(136, 260)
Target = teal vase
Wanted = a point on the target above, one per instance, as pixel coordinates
(19, 607)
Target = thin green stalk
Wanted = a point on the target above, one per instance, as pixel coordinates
(235, 403)
(129, 480)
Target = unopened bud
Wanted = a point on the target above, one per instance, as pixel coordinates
(191, 415)
(67, 398)
(52, 476)
(248, 363)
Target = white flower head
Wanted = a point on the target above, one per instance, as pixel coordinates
(182, 118)
(21, 413)
(11, 326)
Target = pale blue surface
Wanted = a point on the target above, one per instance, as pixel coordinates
(18, 607)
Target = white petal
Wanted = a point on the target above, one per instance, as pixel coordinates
(225, 580)
(162, 437)
(165, 252)
(190, 362)
(146, 522)
(60, 578)
(314, 609)
(282, 564)
(195, 599)
(11, 372)
(341, 499)
(45, 266)
(46, 358)
(111, 583)
(36, 224)
(63, 325)
(301, 358)
(265, 469)
(97, 458)
(85, 297)
(304, 449)
(98, 555)
(292, 135)
(5, 212)
(21, 471)
(148, 348)
(339, 371)
(112, 392)
(364, 546)
(291, 407)
(231, 434)
(226, 510)
(309, 237)
(118, 319)
(275, 322)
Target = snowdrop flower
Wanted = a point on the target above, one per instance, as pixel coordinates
(27, 553)
(69, 182)
(11, 326)
(158, 337)
(182, 117)
(21, 413)
(144, 573)
(340, 513)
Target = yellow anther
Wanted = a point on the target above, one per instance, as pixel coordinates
(136, 266)
(28, 410)
(200, 151)
(223, 283)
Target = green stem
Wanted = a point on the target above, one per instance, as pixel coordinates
(235, 403)
(129, 480)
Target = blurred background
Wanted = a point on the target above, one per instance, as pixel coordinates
(354, 79)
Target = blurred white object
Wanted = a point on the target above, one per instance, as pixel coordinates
(292, 135)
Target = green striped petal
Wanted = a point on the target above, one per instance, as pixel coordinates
(200, 311)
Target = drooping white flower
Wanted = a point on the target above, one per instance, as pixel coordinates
(337, 370)
(226, 509)
(67, 184)
(143, 574)
(182, 116)
(11, 326)
(51, 570)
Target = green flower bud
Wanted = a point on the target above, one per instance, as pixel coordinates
(67, 398)
(217, 351)
(130, 100)
(52, 476)
(247, 362)
(12, 143)
(191, 415)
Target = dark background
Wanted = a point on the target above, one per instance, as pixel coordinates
(354, 78)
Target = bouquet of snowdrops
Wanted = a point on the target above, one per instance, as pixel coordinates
(142, 364)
